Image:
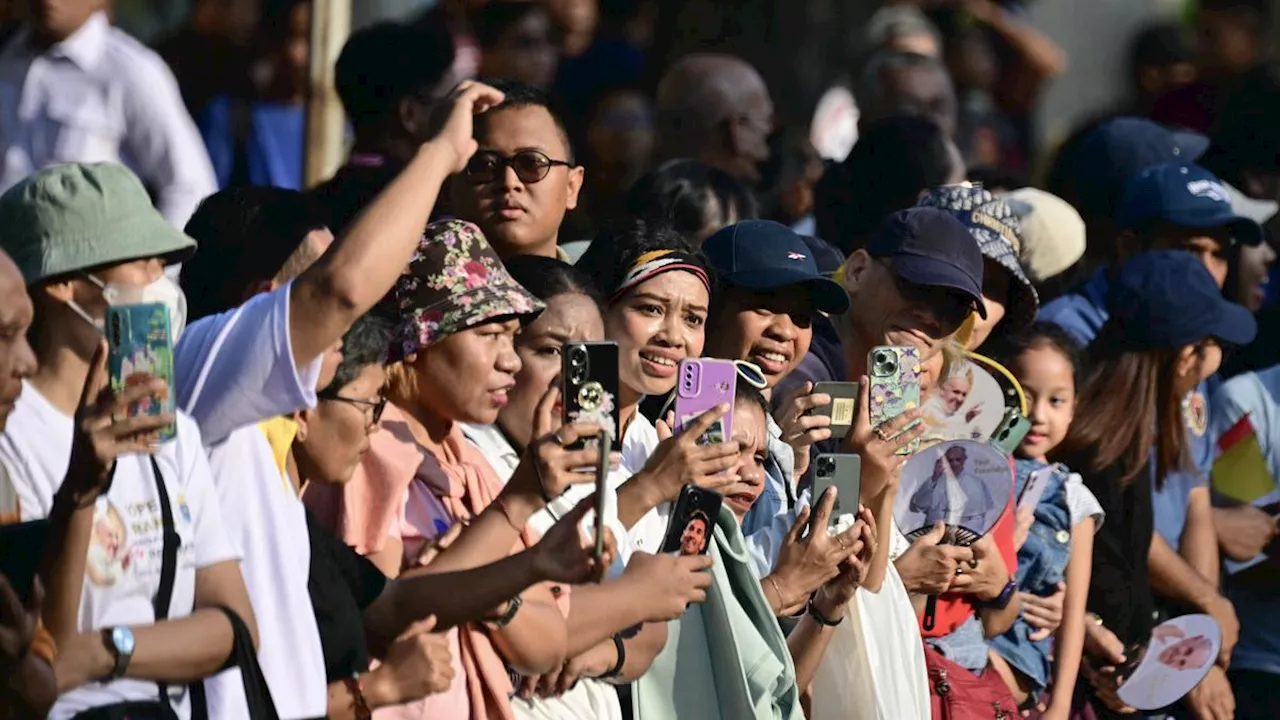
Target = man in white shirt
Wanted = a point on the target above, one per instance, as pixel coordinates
(75, 89)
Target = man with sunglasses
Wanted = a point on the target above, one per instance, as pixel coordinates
(523, 180)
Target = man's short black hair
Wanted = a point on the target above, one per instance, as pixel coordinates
(680, 192)
(368, 342)
(246, 235)
(518, 94)
(384, 63)
(1159, 45)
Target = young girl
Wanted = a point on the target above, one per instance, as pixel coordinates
(1057, 545)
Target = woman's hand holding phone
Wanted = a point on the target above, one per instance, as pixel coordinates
(800, 428)
(548, 467)
(565, 554)
(104, 431)
(664, 585)
(679, 460)
(878, 446)
(806, 562)
(833, 598)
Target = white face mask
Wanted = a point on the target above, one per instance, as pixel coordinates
(162, 290)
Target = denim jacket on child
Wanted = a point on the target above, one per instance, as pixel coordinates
(1042, 564)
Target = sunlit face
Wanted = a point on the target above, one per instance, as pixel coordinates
(467, 377)
(569, 317)
(888, 310)
(1048, 380)
(17, 361)
(334, 435)
(656, 325)
(519, 216)
(694, 537)
(954, 392)
(772, 330)
(751, 434)
(995, 296)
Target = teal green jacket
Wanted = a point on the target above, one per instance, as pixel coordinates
(726, 659)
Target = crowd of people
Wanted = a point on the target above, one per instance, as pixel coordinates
(339, 480)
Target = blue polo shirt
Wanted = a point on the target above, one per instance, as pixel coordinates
(1082, 314)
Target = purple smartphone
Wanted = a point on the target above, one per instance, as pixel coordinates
(702, 384)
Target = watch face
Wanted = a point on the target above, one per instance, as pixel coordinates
(122, 638)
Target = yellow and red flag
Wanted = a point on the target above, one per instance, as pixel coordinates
(1241, 471)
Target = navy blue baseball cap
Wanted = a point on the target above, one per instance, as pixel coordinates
(1187, 196)
(763, 255)
(1116, 151)
(931, 247)
(1168, 299)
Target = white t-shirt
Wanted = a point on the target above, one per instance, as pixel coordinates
(126, 549)
(1082, 503)
(234, 371)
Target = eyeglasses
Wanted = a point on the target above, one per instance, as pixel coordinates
(373, 408)
(531, 166)
(951, 307)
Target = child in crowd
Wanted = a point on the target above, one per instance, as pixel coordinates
(1055, 538)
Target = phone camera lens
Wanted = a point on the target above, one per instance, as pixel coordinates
(826, 466)
(578, 357)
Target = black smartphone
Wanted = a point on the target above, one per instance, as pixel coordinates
(589, 387)
(844, 402)
(693, 519)
(21, 550)
(844, 473)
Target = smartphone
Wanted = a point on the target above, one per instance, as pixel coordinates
(702, 384)
(589, 392)
(1012, 429)
(895, 385)
(1033, 490)
(21, 550)
(603, 496)
(693, 518)
(844, 473)
(844, 402)
(140, 348)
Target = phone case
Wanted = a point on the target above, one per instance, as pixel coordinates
(702, 384)
(1009, 433)
(590, 392)
(895, 385)
(141, 348)
(844, 471)
(694, 504)
(844, 402)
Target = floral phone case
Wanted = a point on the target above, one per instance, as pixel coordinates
(701, 385)
(140, 348)
(894, 371)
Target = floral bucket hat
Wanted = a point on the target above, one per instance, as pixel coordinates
(995, 226)
(453, 282)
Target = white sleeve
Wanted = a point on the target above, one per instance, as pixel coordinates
(161, 141)
(1082, 503)
(213, 545)
(236, 369)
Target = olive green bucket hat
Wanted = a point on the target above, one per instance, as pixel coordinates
(73, 217)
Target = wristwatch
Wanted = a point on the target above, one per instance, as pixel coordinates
(1002, 600)
(119, 642)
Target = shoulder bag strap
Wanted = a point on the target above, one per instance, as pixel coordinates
(169, 559)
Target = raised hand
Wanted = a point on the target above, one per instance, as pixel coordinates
(807, 562)
(103, 432)
(565, 555)
(548, 467)
(801, 430)
(679, 460)
(833, 598)
(419, 663)
(453, 120)
(668, 584)
(878, 446)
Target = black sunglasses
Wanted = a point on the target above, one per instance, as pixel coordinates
(376, 406)
(531, 166)
(950, 306)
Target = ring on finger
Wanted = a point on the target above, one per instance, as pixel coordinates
(959, 571)
(880, 433)
(974, 563)
(559, 436)
(840, 540)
